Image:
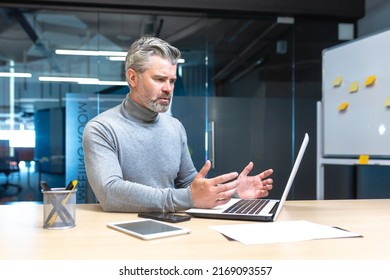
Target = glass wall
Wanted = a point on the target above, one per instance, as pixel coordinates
(246, 89)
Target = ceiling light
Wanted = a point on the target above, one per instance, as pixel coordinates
(117, 58)
(67, 79)
(113, 55)
(82, 81)
(90, 53)
(15, 75)
(104, 83)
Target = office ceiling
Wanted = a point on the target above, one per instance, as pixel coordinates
(31, 34)
(238, 44)
(28, 36)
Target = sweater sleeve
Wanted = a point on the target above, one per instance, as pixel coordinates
(187, 170)
(112, 191)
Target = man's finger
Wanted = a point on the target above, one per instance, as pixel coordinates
(226, 191)
(266, 173)
(223, 178)
(205, 169)
(247, 169)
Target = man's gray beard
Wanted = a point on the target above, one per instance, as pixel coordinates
(155, 107)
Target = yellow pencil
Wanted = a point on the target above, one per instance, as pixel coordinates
(54, 218)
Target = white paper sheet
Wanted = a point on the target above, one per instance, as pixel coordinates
(279, 232)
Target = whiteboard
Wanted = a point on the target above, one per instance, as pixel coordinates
(356, 116)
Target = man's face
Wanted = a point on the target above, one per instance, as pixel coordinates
(153, 89)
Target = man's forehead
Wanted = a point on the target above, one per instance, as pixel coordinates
(161, 67)
(160, 59)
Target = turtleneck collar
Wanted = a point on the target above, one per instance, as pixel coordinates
(137, 112)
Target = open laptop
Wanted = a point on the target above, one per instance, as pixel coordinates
(253, 209)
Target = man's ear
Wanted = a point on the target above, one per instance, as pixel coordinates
(132, 78)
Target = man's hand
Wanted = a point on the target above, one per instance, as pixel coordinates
(254, 186)
(208, 193)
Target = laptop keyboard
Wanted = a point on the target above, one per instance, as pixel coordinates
(247, 206)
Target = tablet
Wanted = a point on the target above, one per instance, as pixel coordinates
(148, 229)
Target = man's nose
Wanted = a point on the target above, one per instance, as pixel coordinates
(168, 86)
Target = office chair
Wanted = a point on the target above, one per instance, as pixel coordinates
(9, 165)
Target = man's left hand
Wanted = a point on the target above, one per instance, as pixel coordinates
(254, 186)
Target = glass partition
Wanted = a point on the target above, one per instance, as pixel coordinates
(239, 91)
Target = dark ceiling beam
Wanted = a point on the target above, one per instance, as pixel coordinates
(343, 9)
(246, 52)
(32, 34)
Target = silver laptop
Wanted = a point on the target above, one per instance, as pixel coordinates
(253, 209)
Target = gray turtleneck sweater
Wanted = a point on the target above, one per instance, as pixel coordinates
(138, 160)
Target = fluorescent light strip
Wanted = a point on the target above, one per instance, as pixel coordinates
(82, 81)
(15, 75)
(67, 79)
(105, 83)
(113, 55)
(117, 58)
(123, 58)
(90, 53)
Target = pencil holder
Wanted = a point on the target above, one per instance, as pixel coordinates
(59, 208)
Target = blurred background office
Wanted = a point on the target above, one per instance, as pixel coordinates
(247, 86)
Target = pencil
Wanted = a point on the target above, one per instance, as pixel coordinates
(54, 217)
(74, 184)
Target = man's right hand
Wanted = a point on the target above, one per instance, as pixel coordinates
(208, 193)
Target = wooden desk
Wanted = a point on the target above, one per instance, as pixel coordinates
(22, 235)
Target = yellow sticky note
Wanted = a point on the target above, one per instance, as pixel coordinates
(370, 80)
(337, 82)
(343, 106)
(387, 102)
(354, 87)
(363, 159)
